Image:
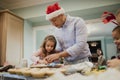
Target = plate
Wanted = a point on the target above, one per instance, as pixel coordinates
(51, 65)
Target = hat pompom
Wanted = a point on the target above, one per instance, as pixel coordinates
(53, 11)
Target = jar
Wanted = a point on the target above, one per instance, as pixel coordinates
(24, 63)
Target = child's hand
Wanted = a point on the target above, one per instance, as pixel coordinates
(52, 57)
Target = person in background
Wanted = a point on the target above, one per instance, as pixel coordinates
(101, 58)
(47, 48)
(71, 34)
(118, 16)
(116, 36)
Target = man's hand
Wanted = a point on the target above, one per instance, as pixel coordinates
(113, 63)
(42, 61)
(52, 57)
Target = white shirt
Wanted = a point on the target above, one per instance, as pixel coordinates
(72, 37)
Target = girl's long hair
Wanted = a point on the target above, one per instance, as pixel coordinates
(48, 38)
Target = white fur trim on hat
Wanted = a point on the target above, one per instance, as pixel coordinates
(54, 14)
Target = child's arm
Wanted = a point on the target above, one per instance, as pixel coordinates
(37, 55)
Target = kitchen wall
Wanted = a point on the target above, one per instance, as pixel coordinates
(28, 40)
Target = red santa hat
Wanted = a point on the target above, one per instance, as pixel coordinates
(108, 17)
(53, 11)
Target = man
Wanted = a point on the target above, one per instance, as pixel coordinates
(116, 36)
(71, 33)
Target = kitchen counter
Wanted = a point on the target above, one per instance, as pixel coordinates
(95, 75)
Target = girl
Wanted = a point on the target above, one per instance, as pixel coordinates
(48, 47)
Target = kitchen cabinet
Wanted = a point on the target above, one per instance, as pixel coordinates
(11, 37)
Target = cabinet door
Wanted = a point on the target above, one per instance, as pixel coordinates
(14, 46)
(1, 38)
(3, 30)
